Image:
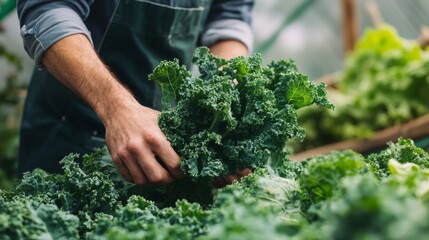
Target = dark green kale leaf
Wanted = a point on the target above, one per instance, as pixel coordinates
(209, 65)
(75, 190)
(80, 192)
(24, 218)
(322, 174)
(364, 208)
(170, 75)
(141, 219)
(262, 206)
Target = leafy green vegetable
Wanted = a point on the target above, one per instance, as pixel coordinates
(141, 219)
(170, 78)
(341, 195)
(237, 114)
(11, 104)
(261, 206)
(324, 173)
(82, 193)
(363, 208)
(403, 151)
(23, 218)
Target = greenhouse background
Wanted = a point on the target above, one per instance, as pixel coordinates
(343, 154)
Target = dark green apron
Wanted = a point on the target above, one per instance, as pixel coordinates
(142, 33)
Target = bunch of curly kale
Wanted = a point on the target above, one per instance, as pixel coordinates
(237, 114)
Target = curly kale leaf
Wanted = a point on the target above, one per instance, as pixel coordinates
(245, 218)
(288, 169)
(170, 75)
(83, 193)
(409, 178)
(404, 151)
(199, 158)
(323, 173)
(262, 206)
(208, 64)
(75, 190)
(23, 218)
(237, 114)
(141, 218)
(364, 208)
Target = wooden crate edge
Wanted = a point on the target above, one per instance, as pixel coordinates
(413, 129)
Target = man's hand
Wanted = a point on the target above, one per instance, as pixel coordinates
(135, 142)
(140, 150)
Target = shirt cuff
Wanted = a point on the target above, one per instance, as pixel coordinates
(48, 28)
(228, 29)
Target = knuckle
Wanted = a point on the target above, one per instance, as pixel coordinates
(122, 153)
(152, 139)
(134, 146)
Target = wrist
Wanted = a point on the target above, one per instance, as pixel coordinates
(116, 102)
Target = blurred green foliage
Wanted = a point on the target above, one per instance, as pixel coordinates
(384, 83)
(11, 98)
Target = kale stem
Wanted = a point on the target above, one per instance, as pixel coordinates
(214, 121)
(280, 112)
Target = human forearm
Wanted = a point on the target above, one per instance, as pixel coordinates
(229, 49)
(73, 61)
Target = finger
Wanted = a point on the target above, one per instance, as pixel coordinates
(134, 169)
(123, 170)
(155, 173)
(169, 158)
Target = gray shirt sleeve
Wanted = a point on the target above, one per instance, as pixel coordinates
(229, 19)
(44, 22)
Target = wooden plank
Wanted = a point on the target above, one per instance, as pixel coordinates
(424, 37)
(350, 24)
(374, 13)
(414, 129)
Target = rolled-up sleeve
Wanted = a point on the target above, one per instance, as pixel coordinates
(229, 19)
(44, 22)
